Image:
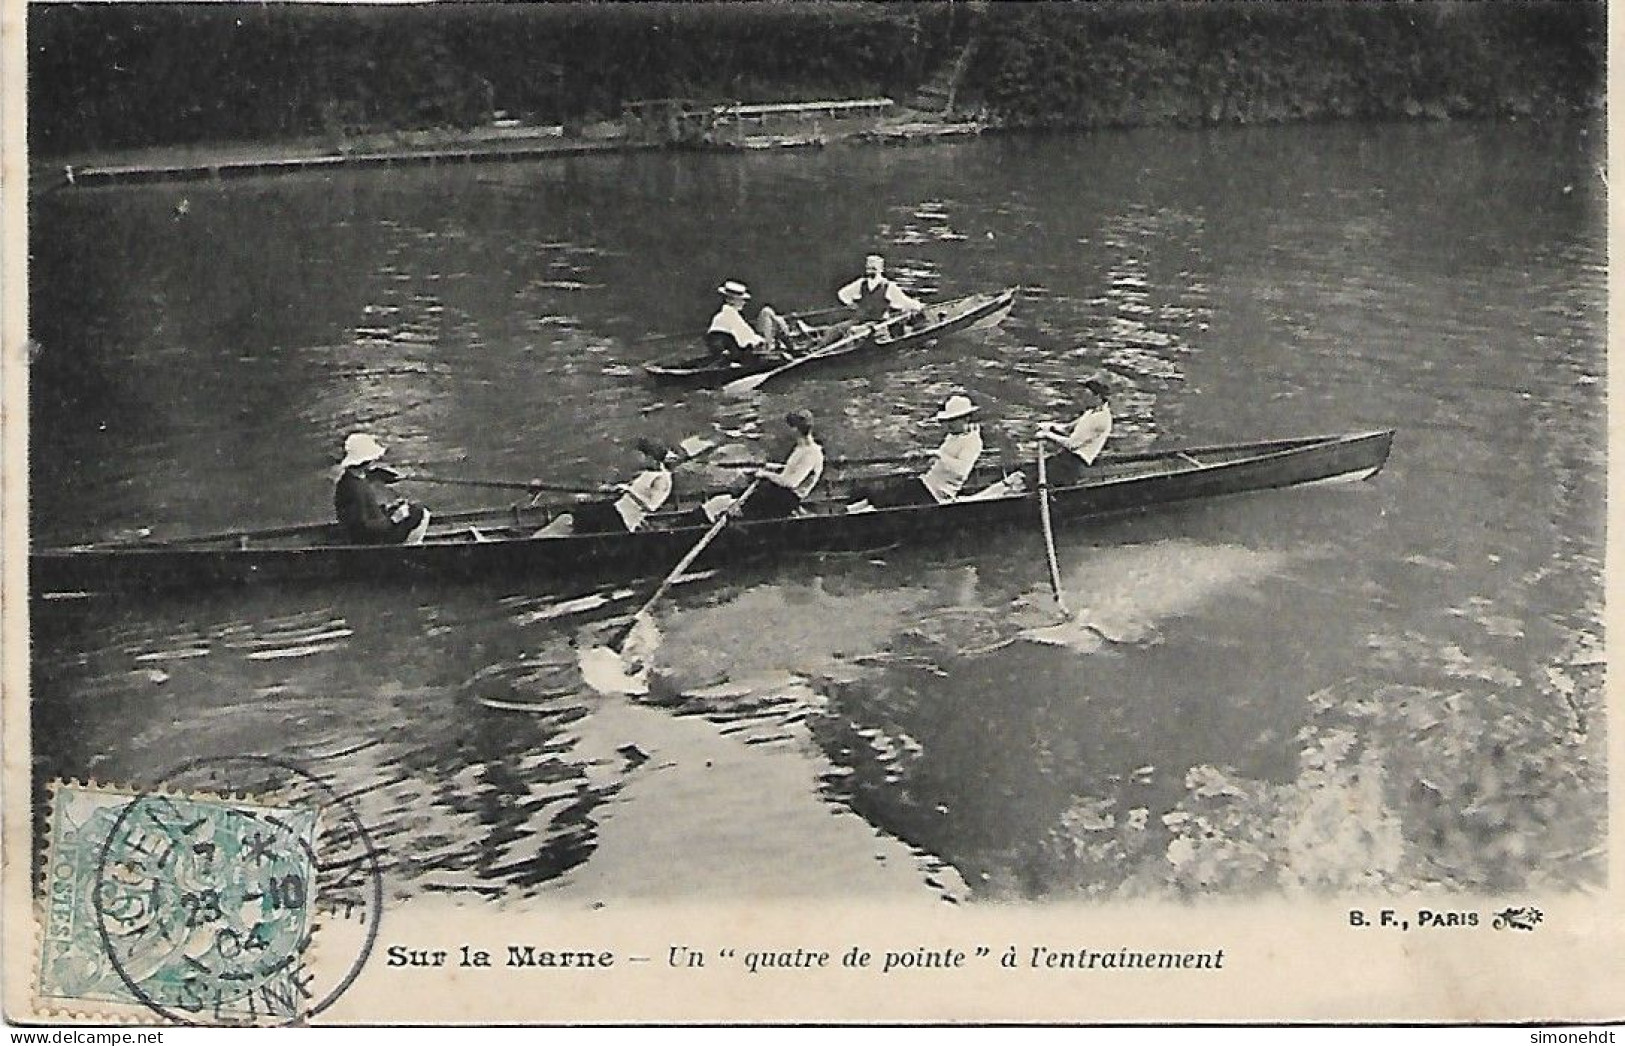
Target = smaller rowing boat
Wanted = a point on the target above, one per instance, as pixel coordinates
(820, 345)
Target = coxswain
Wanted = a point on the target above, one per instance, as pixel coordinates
(951, 464)
(873, 296)
(636, 500)
(784, 487)
(730, 337)
(366, 514)
(1082, 440)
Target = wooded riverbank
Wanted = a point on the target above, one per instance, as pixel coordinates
(110, 77)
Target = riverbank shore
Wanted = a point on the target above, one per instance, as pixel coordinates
(324, 85)
(504, 141)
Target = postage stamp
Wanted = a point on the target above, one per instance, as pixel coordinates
(199, 907)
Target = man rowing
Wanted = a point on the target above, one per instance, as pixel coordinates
(642, 496)
(366, 514)
(873, 296)
(730, 337)
(784, 487)
(1083, 440)
(950, 467)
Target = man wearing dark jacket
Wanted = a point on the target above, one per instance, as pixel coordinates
(370, 516)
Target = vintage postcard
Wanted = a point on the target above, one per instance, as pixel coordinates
(824, 512)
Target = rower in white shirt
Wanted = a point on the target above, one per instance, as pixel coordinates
(1082, 440)
(731, 337)
(873, 295)
(785, 487)
(950, 467)
(645, 494)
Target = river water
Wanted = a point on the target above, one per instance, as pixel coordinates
(1394, 684)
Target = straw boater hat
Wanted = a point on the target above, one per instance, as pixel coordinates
(873, 259)
(956, 407)
(733, 289)
(360, 448)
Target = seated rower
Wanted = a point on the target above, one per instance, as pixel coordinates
(1081, 441)
(785, 487)
(954, 460)
(873, 296)
(644, 495)
(731, 338)
(368, 517)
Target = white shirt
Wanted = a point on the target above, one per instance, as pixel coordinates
(1088, 434)
(955, 459)
(729, 320)
(895, 298)
(802, 469)
(645, 494)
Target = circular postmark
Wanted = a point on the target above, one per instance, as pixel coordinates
(214, 893)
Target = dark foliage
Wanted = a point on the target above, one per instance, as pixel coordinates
(1118, 64)
(118, 75)
(106, 76)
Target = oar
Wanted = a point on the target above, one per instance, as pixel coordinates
(832, 310)
(838, 463)
(504, 484)
(752, 382)
(692, 448)
(1049, 532)
(683, 564)
(651, 339)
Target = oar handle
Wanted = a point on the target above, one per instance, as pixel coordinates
(683, 564)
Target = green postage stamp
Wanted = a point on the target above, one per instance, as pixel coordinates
(197, 908)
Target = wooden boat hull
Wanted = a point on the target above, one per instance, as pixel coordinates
(1116, 485)
(949, 317)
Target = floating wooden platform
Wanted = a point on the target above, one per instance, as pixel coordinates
(110, 174)
(920, 132)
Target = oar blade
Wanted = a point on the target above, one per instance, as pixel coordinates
(693, 446)
(607, 672)
(621, 666)
(748, 384)
(617, 670)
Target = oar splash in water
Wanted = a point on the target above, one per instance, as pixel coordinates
(615, 668)
(625, 671)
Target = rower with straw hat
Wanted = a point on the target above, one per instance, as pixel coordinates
(950, 466)
(730, 336)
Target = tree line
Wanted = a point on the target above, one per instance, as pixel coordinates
(107, 76)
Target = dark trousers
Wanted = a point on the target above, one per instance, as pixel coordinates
(770, 501)
(897, 495)
(1065, 469)
(597, 517)
(392, 534)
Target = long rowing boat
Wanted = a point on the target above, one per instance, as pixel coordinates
(499, 542)
(824, 344)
